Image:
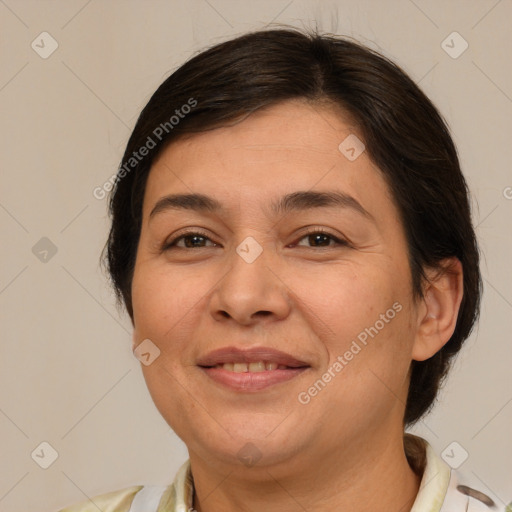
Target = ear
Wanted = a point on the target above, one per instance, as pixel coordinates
(439, 308)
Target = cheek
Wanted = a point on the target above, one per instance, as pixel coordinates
(164, 300)
(350, 298)
(365, 314)
(166, 305)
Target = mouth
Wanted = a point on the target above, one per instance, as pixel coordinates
(251, 369)
(254, 367)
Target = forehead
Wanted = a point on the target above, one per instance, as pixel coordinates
(275, 151)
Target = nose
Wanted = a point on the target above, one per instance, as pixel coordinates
(251, 292)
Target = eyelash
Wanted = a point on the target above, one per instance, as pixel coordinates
(172, 243)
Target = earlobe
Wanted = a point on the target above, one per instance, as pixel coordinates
(441, 303)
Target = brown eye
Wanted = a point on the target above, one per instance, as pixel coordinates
(320, 238)
(191, 240)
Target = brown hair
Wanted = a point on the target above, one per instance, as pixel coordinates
(404, 134)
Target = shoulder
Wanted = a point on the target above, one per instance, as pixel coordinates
(143, 498)
(116, 501)
(469, 499)
(442, 488)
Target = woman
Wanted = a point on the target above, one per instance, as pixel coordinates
(291, 236)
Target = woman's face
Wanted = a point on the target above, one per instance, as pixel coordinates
(249, 277)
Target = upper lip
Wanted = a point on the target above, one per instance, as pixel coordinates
(249, 355)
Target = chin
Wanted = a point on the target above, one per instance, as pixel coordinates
(250, 454)
(249, 443)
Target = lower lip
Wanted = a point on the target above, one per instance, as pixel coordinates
(251, 381)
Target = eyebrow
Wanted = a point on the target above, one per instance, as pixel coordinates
(290, 203)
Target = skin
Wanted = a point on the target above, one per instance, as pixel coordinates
(308, 297)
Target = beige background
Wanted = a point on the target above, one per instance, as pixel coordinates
(68, 376)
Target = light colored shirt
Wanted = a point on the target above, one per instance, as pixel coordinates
(441, 490)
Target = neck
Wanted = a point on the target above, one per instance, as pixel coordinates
(363, 478)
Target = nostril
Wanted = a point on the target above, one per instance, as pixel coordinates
(225, 314)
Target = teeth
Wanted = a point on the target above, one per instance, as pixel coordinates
(256, 367)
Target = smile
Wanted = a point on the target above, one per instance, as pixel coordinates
(250, 369)
(242, 378)
(260, 366)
